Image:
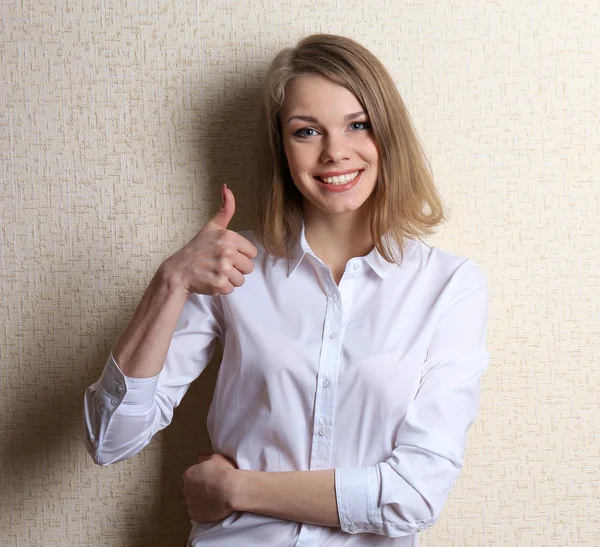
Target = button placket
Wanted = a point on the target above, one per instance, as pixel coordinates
(347, 296)
(325, 394)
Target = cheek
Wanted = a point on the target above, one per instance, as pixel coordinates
(298, 157)
(370, 149)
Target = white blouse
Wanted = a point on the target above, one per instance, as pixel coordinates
(377, 378)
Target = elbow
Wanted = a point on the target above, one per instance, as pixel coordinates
(402, 521)
(411, 506)
(397, 523)
(105, 452)
(92, 442)
(100, 459)
(110, 437)
(98, 456)
(391, 501)
(103, 458)
(98, 452)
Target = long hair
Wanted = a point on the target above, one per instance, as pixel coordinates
(405, 201)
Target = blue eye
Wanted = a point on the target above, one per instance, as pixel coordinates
(357, 126)
(304, 132)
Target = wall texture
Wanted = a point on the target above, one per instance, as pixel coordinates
(120, 120)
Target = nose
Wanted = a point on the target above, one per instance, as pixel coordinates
(335, 149)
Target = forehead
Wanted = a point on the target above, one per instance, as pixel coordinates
(314, 95)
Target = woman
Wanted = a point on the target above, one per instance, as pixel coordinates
(352, 351)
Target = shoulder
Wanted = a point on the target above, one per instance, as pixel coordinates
(453, 282)
(443, 267)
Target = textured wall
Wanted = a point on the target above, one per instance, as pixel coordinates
(120, 120)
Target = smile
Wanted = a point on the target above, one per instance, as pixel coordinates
(339, 179)
(340, 186)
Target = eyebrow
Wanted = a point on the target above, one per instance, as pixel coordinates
(312, 119)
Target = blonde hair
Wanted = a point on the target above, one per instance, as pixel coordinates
(405, 202)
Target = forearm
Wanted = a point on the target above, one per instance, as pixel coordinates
(300, 496)
(141, 350)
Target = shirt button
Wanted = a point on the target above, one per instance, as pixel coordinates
(322, 431)
(120, 388)
(326, 383)
(311, 527)
(356, 267)
(333, 335)
(114, 401)
(101, 408)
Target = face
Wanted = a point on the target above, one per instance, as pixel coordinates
(329, 146)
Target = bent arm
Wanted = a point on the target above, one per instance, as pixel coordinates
(167, 344)
(406, 492)
(142, 349)
(299, 496)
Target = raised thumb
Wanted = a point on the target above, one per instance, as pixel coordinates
(227, 210)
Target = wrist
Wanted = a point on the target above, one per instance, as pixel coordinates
(170, 278)
(235, 488)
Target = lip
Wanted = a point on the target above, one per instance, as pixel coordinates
(335, 188)
(337, 173)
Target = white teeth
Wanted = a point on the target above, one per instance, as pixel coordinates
(341, 179)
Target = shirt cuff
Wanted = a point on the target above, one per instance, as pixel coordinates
(112, 395)
(357, 492)
(125, 390)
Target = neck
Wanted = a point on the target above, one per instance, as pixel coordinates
(335, 239)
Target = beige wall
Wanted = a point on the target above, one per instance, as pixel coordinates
(120, 120)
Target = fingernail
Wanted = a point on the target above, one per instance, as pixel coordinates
(223, 193)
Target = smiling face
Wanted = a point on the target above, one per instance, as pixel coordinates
(329, 147)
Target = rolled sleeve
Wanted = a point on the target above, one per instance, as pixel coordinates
(117, 394)
(122, 413)
(405, 494)
(357, 493)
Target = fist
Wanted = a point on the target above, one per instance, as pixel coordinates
(216, 259)
(207, 488)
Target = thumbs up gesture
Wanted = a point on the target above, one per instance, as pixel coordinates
(216, 259)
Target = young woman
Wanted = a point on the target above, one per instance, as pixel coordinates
(352, 351)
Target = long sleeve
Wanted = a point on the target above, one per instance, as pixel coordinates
(405, 493)
(122, 414)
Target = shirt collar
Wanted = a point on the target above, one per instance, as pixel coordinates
(298, 251)
(374, 259)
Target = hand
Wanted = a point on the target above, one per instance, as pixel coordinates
(216, 259)
(206, 488)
